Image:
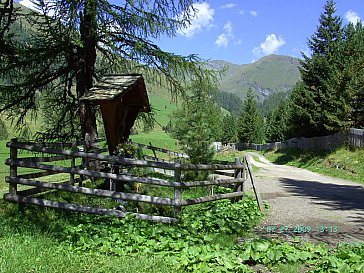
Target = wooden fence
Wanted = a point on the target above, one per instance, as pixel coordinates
(57, 152)
(352, 137)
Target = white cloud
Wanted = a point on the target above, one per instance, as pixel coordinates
(253, 13)
(203, 19)
(224, 38)
(298, 51)
(48, 8)
(271, 45)
(28, 4)
(228, 27)
(238, 42)
(352, 17)
(228, 6)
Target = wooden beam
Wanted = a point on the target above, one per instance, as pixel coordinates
(165, 151)
(95, 192)
(254, 184)
(177, 191)
(46, 158)
(13, 169)
(120, 177)
(205, 199)
(125, 161)
(148, 157)
(224, 173)
(87, 209)
(46, 144)
(216, 182)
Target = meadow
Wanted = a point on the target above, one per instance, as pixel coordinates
(210, 237)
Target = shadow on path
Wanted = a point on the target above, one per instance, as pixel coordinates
(337, 197)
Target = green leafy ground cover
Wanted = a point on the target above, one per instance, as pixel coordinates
(35, 239)
(343, 162)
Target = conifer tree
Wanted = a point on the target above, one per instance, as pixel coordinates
(318, 106)
(251, 122)
(229, 129)
(278, 123)
(197, 123)
(351, 79)
(75, 42)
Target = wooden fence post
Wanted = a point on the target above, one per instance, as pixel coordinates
(255, 186)
(73, 162)
(169, 155)
(13, 169)
(238, 174)
(177, 190)
(155, 155)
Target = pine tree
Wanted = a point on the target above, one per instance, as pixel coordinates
(319, 105)
(278, 123)
(75, 42)
(351, 78)
(197, 123)
(229, 129)
(251, 122)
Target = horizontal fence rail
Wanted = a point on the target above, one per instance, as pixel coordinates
(125, 161)
(150, 147)
(116, 174)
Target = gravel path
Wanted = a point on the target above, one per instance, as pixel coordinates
(332, 208)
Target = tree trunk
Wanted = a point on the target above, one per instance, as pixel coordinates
(87, 56)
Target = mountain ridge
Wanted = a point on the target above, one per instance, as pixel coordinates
(271, 73)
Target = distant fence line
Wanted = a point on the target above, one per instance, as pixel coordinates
(353, 137)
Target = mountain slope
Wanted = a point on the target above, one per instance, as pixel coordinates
(270, 74)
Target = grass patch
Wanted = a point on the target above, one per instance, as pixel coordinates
(343, 162)
(163, 108)
(36, 239)
(157, 138)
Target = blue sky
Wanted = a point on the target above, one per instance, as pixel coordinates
(244, 31)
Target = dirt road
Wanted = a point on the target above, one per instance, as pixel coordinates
(329, 209)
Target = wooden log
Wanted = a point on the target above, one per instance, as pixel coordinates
(46, 158)
(156, 159)
(205, 199)
(121, 177)
(95, 192)
(125, 161)
(46, 144)
(102, 150)
(153, 150)
(177, 191)
(87, 209)
(216, 182)
(73, 164)
(13, 169)
(165, 151)
(254, 184)
(224, 173)
(238, 174)
(38, 190)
